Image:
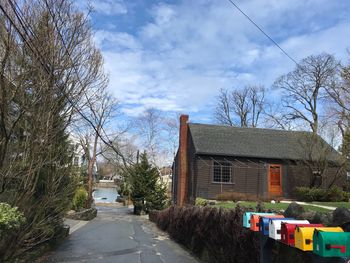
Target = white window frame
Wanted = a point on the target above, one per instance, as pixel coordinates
(222, 164)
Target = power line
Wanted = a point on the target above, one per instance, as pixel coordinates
(262, 31)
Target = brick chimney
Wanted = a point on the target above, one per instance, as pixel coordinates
(182, 174)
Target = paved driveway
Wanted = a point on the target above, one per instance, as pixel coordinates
(115, 235)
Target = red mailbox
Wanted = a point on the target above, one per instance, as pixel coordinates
(287, 232)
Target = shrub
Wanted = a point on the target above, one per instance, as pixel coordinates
(316, 194)
(301, 193)
(334, 194)
(233, 196)
(10, 218)
(201, 202)
(79, 199)
(213, 234)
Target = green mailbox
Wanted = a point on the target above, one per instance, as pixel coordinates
(331, 244)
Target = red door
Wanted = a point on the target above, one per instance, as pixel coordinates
(275, 180)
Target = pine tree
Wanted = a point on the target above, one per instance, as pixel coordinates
(148, 191)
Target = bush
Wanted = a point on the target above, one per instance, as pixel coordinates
(213, 234)
(301, 193)
(10, 218)
(79, 199)
(201, 202)
(233, 196)
(334, 194)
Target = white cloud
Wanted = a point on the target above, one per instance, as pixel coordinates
(181, 58)
(109, 7)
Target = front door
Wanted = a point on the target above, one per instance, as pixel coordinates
(275, 180)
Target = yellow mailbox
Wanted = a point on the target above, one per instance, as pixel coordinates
(304, 235)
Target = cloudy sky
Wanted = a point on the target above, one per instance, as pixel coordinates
(176, 55)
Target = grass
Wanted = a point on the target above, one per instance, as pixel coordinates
(276, 206)
(334, 204)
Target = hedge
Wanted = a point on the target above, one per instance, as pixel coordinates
(334, 194)
(213, 234)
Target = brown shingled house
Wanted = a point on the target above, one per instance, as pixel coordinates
(214, 159)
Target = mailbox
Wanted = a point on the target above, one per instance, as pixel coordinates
(331, 244)
(254, 220)
(275, 226)
(247, 216)
(288, 229)
(304, 236)
(264, 223)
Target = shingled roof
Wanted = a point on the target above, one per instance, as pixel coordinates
(250, 142)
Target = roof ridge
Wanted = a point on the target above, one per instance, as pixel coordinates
(248, 128)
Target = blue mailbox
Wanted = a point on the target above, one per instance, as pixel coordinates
(247, 215)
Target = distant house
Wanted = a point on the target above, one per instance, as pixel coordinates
(78, 158)
(214, 159)
(166, 178)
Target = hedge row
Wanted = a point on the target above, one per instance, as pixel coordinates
(213, 234)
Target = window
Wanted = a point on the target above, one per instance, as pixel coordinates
(222, 172)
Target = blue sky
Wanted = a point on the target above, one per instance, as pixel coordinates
(175, 56)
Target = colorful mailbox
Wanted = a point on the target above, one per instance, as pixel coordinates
(304, 236)
(288, 229)
(331, 244)
(254, 220)
(275, 227)
(247, 216)
(264, 223)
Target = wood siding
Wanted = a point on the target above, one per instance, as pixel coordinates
(253, 180)
(247, 177)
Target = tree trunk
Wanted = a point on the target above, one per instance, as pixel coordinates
(92, 161)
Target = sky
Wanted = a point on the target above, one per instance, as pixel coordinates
(176, 55)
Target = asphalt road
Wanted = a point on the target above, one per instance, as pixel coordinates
(116, 235)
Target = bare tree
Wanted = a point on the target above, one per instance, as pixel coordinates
(241, 107)
(325, 165)
(100, 110)
(275, 117)
(339, 97)
(128, 149)
(150, 126)
(159, 136)
(305, 87)
(171, 128)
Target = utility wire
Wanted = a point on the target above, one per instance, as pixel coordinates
(262, 31)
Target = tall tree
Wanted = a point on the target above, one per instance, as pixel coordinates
(48, 62)
(305, 87)
(241, 107)
(100, 111)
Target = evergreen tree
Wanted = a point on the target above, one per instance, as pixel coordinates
(147, 187)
